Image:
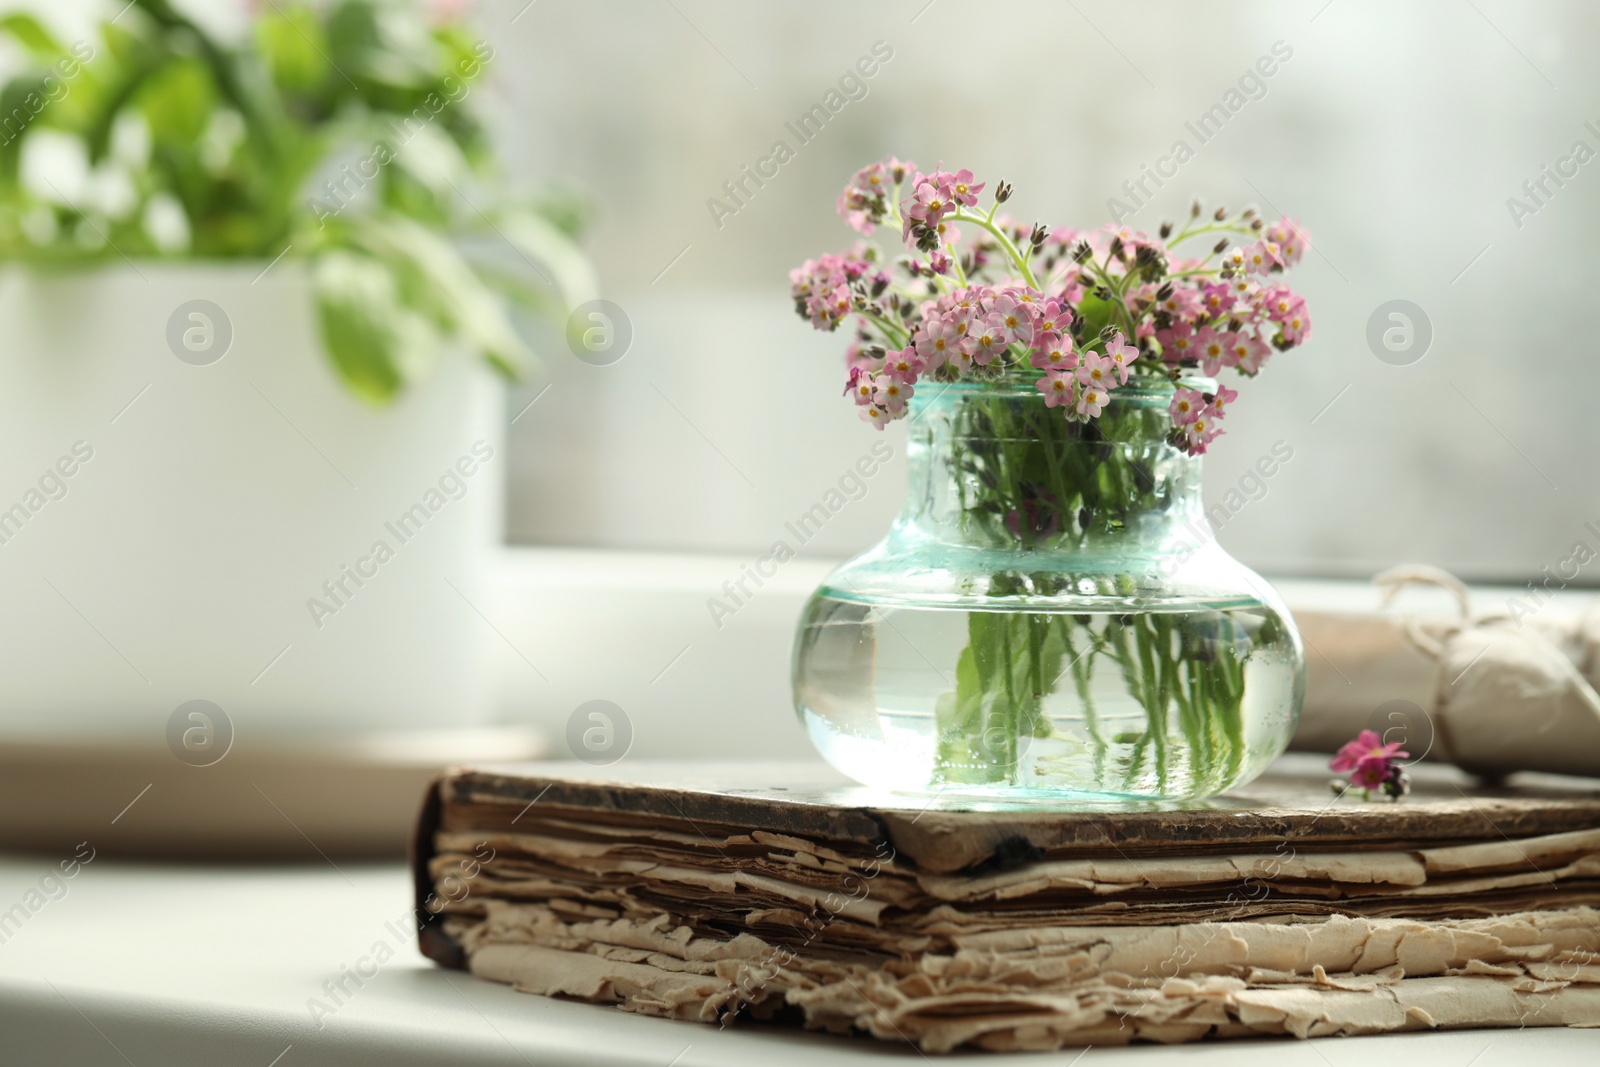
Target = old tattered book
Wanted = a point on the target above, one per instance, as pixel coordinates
(780, 892)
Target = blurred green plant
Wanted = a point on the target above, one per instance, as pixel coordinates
(341, 133)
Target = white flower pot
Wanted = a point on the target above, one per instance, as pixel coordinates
(172, 529)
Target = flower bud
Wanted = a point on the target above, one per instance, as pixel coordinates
(1220, 214)
(1166, 230)
(1222, 244)
(1002, 192)
(1194, 209)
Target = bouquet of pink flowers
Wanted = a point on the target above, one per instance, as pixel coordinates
(1069, 380)
(1077, 313)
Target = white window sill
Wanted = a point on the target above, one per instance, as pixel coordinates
(180, 966)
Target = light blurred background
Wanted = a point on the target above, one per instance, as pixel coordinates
(1395, 133)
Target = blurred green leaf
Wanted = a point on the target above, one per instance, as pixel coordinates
(435, 278)
(31, 34)
(294, 46)
(376, 343)
(1096, 315)
(552, 254)
(243, 134)
(177, 100)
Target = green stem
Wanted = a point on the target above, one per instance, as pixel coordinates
(1081, 665)
(1005, 242)
(895, 335)
(1210, 227)
(1159, 700)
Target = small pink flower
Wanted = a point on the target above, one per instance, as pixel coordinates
(937, 338)
(1051, 317)
(829, 308)
(1223, 397)
(1278, 302)
(1366, 748)
(1216, 298)
(861, 202)
(1177, 343)
(1290, 239)
(1262, 257)
(962, 188)
(1255, 356)
(1238, 348)
(965, 301)
(1092, 401)
(876, 415)
(1244, 287)
(1182, 303)
(1096, 371)
(904, 366)
(1213, 350)
(1296, 328)
(860, 386)
(1370, 761)
(1369, 776)
(891, 393)
(1016, 316)
(928, 204)
(854, 208)
(986, 340)
(1056, 387)
(1056, 355)
(1185, 406)
(1120, 355)
(1200, 433)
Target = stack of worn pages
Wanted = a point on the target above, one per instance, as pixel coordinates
(776, 892)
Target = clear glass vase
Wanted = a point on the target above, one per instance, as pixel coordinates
(1049, 616)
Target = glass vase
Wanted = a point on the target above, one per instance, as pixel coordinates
(1049, 617)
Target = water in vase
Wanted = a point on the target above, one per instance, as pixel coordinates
(1182, 701)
